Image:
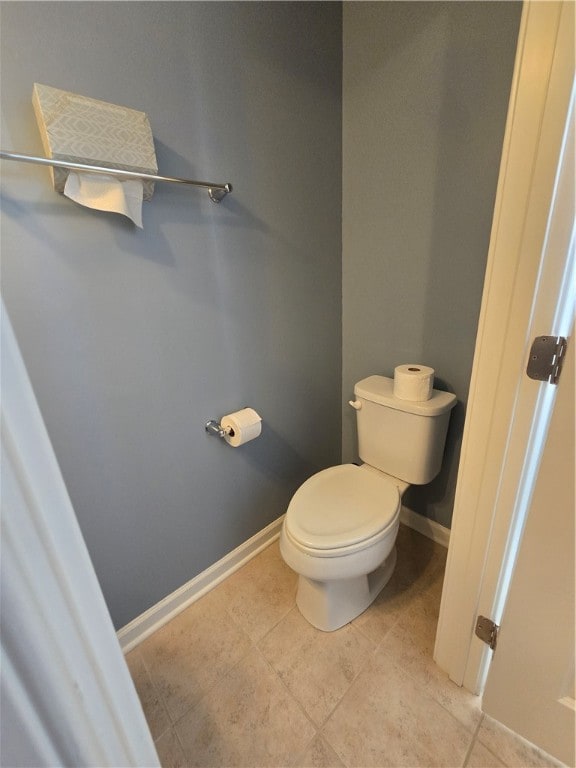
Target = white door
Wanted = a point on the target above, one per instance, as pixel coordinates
(531, 681)
(67, 696)
(529, 291)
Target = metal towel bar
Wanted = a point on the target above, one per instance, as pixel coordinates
(217, 192)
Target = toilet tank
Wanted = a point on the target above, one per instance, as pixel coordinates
(402, 438)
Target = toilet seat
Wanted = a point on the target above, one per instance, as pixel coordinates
(342, 510)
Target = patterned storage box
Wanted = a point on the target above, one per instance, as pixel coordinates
(85, 130)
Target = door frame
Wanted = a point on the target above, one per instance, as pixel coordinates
(507, 413)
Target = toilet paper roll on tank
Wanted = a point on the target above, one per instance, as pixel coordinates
(241, 426)
(413, 382)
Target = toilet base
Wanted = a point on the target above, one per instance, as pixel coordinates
(328, 605)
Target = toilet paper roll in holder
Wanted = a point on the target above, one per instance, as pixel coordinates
(216, 429)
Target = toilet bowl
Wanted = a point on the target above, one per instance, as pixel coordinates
(338, 535)
(341, 524)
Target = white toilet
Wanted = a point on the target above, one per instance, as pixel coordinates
(341, 524)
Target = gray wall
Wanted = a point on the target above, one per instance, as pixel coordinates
(425, 95)
(134, 339)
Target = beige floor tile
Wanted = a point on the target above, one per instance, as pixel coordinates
(386, 701)
(319, 755)
(411, 644)
(190, 653)
(435, 581)
(248, 719)
(419, 558)
(169, 751)
(419, 568)
(154, 710)
(387, 719)
(513, 750)
(261, 593)
(379, 618)
(480, 757)
(317, 667)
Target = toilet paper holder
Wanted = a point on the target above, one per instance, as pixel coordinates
(236, 428)
(216, 429)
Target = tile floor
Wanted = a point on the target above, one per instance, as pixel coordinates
(241, 679)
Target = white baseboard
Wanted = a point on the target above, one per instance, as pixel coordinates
(426, 527)
(155, 617)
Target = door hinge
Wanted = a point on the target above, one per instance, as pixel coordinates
(546, 357)
(487, 631)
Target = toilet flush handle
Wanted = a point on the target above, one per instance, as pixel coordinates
(356, 404)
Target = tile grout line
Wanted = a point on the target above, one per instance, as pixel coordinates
(293, 698)
(375, 650)
(288, 691)
(327, 740)
(179, 741)
(252, 645)
(425, 692)
(318, 728)
(322, 727)
(273, 627)
(175, 721)
(212, 686)
(473, 742)
(300, 755)
(157, 692)
(384, 636)
(414, 677)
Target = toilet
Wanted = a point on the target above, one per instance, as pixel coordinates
(340, 528)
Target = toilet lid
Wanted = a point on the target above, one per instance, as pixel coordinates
(341, 506)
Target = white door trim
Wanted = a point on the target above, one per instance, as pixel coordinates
(494, 447)
(67, 695)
